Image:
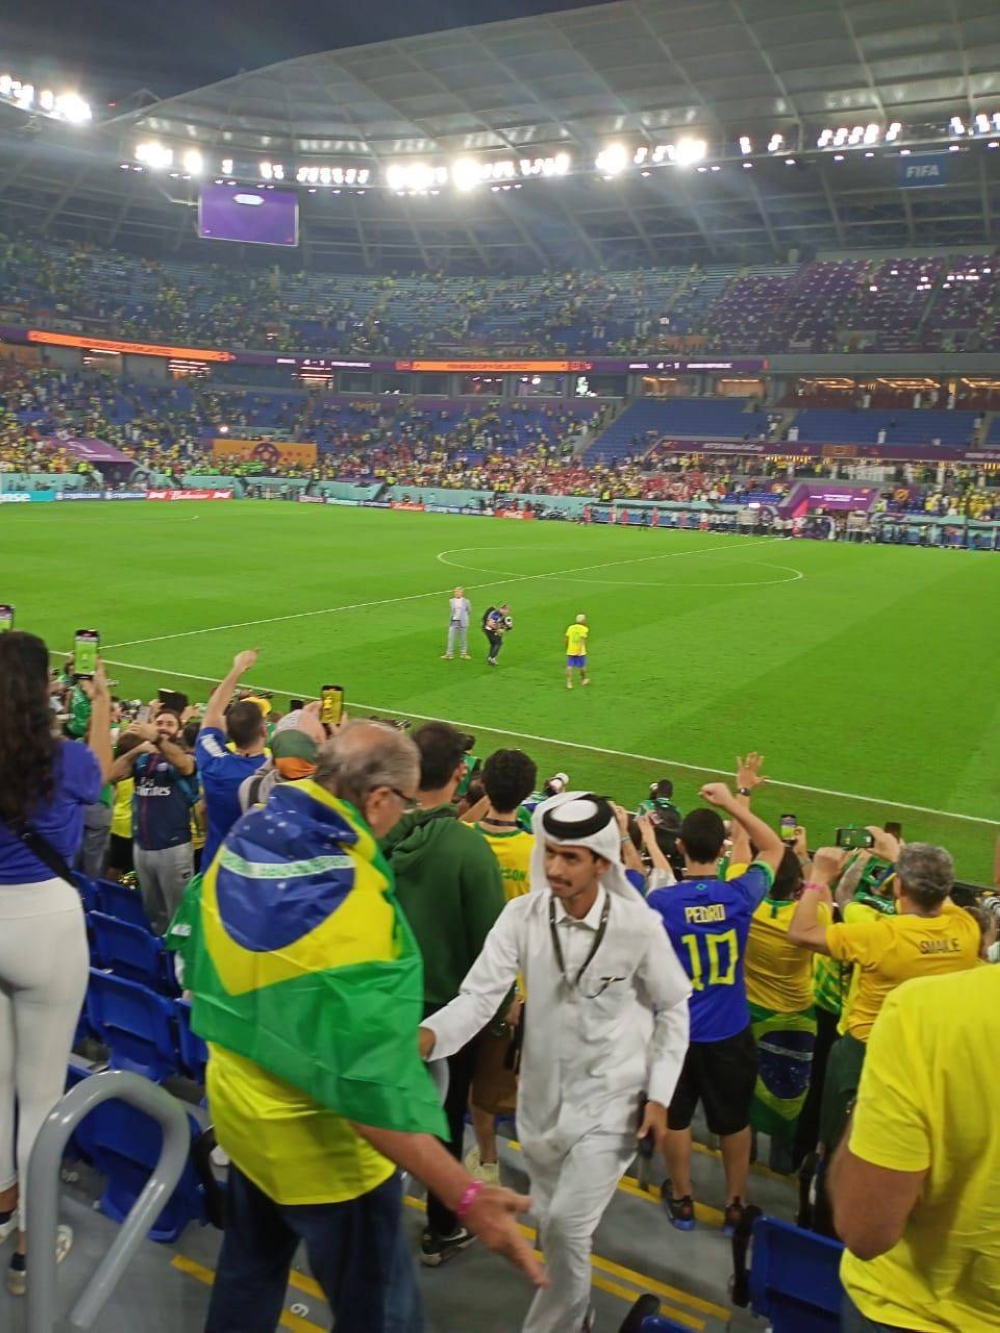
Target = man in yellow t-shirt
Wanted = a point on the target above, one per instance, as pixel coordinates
(915, 1182)
(576, 651)
(927, 937)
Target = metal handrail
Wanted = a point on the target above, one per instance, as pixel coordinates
(43, 1193)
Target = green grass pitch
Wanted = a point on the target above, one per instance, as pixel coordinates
(866, 675)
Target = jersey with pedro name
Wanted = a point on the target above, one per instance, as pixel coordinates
(708, 921)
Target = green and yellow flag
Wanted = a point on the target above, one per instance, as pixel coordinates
(300, 960)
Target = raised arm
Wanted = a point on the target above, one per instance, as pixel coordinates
(215, 713)
(770, 848)
(748, 777)
(99, 729)
(806, 928)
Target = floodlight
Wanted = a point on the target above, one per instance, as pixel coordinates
(775, 143)
(193, 162)
(466, 174)
(745, 145)
(154, 155)
(982, 123)
(72, 107)
(227, 166)
(957, 125)
(689, 151)
(561, 161)
(892, 133)
(613, 160)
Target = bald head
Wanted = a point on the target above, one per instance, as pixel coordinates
(375, 767)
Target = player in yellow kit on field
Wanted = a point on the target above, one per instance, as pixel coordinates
(576, 651)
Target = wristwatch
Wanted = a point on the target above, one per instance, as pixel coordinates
(743, 791)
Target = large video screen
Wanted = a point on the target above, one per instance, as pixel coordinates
(245, 213)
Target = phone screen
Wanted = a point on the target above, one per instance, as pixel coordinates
(789, 825)
(333, 705)
(895, 829)
(172, 699)
(86, 644)
(852, 839)
(6, 618)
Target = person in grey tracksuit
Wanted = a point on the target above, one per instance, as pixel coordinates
(459, 615)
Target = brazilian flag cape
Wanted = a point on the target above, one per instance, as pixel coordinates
(300, 960)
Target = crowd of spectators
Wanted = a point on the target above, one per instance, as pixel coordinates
(738, 967)
(820, 306)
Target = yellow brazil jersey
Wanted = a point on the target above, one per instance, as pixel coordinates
(891, 949)
(513, 851)
(928, 1102)
(778, 973)
(290, 1146)
(576, 640)
(121, 811)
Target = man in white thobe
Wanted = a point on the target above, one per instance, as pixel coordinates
(459, 615)
(605, 1034)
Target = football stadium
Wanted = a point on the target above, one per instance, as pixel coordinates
(499, 560)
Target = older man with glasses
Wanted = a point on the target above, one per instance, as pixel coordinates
(306, 985)
(605, 1031)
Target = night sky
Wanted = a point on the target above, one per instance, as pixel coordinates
(110, 48)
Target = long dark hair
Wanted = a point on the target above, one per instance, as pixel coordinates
(27, 745)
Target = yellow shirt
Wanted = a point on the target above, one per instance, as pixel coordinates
(293, 1149)
(778, 974)
(929, 1101)
(576, 640)
(121, 811)
(892, 949)
(513, 851)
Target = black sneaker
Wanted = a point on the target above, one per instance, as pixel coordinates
(435, 1249)
(734, 1215)
(680, 1211)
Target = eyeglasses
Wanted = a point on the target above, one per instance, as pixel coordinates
(410, 803)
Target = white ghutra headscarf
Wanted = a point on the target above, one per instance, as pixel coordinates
(580, 819)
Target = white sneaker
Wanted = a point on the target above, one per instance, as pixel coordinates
(487, 1172)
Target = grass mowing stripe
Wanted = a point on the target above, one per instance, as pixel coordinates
(579, 745)
(416, 596)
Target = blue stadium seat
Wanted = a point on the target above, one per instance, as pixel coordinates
(136, 1023)
(132, 952)
(124, 903)
(89, 892)
(125, 1147)
(193, 1050)
(795, 1278)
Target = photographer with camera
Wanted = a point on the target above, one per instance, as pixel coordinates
(497, 621)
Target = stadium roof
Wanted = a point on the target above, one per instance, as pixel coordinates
(636, 71)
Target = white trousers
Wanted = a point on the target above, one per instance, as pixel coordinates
(43, 979)
(569, 1193)
(459, 631)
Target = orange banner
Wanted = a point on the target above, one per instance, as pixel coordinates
(268, 452)
(496, 367)
(126, 349)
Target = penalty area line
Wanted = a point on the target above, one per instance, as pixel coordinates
(578, 745)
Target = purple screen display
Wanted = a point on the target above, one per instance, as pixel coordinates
(245, 213)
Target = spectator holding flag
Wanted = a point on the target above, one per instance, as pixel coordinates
(308, 990)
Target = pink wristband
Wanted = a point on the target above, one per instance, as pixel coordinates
(815, 888)
(469, 1196)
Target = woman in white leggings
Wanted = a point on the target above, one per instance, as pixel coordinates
(45, 784)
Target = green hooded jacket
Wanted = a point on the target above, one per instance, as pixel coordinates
(448, 884)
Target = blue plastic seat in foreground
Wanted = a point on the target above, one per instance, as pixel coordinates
(795, 1278)
(125, 1145)
(132, 952)
(124, 903)
(88, 892)
(136, 1023)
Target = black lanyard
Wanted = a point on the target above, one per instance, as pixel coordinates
(601, 930)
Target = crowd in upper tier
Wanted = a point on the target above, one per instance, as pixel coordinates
(937, 303)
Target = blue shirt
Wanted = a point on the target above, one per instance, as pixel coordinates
(708, 921)
(60, 821)
(161, 804)
(221, 772)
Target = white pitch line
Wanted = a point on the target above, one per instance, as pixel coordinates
(578, 745)
(416, 596)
